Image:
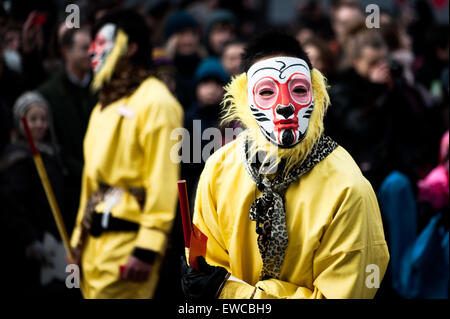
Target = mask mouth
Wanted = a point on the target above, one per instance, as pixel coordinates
(287, 140)
(290, 124)
(94, 63)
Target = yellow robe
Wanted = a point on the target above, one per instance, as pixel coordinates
(333, 222)
(128, 144)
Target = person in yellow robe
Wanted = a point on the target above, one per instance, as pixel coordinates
(128, 198)
(287, 211)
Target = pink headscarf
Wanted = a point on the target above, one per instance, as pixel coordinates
(434, 188)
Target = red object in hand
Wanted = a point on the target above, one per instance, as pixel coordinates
(198, 246)
(40, 19)
(194, 239)
(30, 138)
(122, 269)
(185, 215)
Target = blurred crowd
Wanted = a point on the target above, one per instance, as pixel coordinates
(389, 91)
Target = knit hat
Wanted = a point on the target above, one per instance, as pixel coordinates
(220, 15)
(22, 105)
(24, 102)
(211, 68)
(178, 21)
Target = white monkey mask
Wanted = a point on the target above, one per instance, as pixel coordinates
(280, 98)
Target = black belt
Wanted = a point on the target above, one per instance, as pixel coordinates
(113, 224)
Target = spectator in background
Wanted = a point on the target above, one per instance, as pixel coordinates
(33, 49)
(312, 16)
(418, 261)
(21, 52)
(156, 16)
(71, 101)
(97, 9)
(400, 47)
(250, 16)
(164, 68)
(434, 188)
(321, 57)
(33, 240)
(232, 56)
(220, 29)
(435, 58)
(210, 79)
(418, 100)
(11, 51)
(11, 83)
(183, 46)
(346, 16)
(302, 33)
(370, 116)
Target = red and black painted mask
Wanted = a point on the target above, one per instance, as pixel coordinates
(281, 99)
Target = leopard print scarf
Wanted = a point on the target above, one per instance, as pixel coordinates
(124, 81)
(268, 210)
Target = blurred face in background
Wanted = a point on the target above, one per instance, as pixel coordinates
(78, 55)
(231, 58)
(303, 35)
(220, 34)
(369, 61)
(315, 57)
(346, 18)
(442, 53)
(209, 92)
(37, 117)
(11, 50)
(187, 41)
(12, 40)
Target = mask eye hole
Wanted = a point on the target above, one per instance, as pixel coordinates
(266, 93)
(300, 90)
(100, 40)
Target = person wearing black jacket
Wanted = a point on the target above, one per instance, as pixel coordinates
(31, 240)
(71, 102)
(375, 114)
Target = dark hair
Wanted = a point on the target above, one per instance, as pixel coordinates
(325, 54)
(272, 42)
(234, 41)
(68, 36)
(366, 38)
(137, 30)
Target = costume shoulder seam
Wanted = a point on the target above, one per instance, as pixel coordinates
(166, 101)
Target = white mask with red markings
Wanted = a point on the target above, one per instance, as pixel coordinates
(281, 99)
(102, 46)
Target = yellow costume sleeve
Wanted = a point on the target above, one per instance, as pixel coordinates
(161, 172)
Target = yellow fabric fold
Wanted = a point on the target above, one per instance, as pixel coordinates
(151, 239)
(333, 221)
